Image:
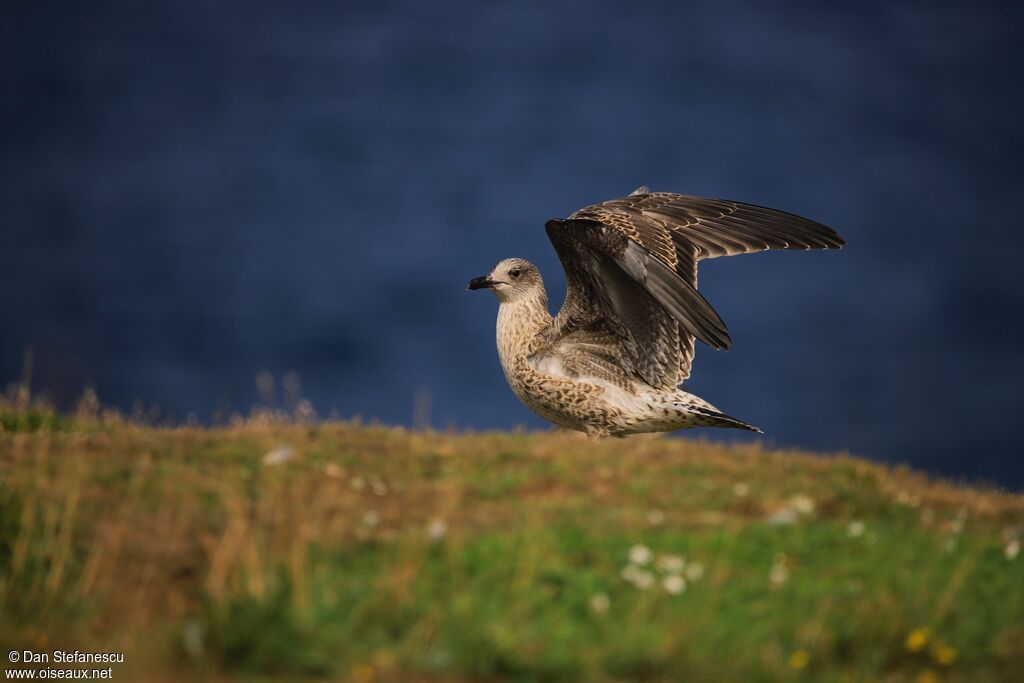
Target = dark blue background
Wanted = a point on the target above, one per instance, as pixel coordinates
(193, 191)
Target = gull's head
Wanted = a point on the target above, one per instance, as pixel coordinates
(511, 280)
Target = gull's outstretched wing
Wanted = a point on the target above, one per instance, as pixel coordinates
(631, 271)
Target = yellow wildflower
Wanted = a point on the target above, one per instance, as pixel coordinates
(943, 653)
(363, 673)
(917, 639)
(928, 676)
(799, 659)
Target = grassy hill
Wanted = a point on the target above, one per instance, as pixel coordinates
(347, 552)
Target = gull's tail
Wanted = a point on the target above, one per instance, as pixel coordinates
(706, 415)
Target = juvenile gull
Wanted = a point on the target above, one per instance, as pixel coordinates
(612, 360)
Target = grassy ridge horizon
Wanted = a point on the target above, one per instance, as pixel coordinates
(337, 551)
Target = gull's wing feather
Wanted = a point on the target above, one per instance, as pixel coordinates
(716, 227)
(631, 270)
(637, 306)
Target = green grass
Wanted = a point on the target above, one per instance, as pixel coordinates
(32, 421)
(379, 554)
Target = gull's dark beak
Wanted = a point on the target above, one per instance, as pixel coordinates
(480, 283)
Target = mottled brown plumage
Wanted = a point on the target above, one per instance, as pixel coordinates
(613, 358)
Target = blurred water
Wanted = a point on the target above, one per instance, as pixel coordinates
(192, 192)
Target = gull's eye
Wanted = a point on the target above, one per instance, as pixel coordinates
(515, 272)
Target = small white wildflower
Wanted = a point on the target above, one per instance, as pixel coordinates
(641, 578)
(305, 412)
(855, 529)
(371, 518)
(279, 455)
(437, 529)
(694, 571)
(600, 603)
(1012, 549)
(950, 545)
(640, 554)
(674, 584)
(358, 483)
(802, 504)
(671, 564)
(655, 517)
(378, 486)
(193, 638)
(782, 517)
(779, 573)
(741, 489)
